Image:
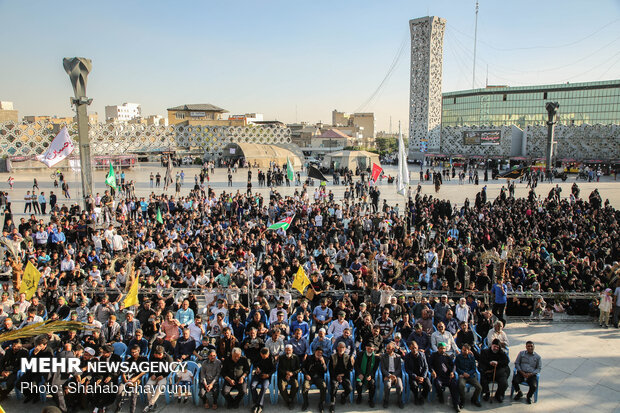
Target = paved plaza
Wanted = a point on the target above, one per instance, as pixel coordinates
(608, 188)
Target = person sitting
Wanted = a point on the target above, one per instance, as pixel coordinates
(416, 367)
(365, 368)
(281, 325)
(422, 339)
(441, 309)
(498, 333)
(234, 371)
(465, 336)
(264, 367)
(348, 342)
(426, 321)
(322, 342)
(494, 364)
(528, 365)
(300, 345)
(301, 324)
(400, 347)
(337, 327)
(210, 371)
(452, 324)
(288, 368)
(375, 339)
(340, 368)
(442, 336)
(442, 372)
(391, 369)
(185, 346)
(465, 364)
(252, 344)
(314, 368)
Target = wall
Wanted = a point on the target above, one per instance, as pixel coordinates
(581, 142)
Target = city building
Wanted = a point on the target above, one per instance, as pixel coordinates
(48, 119)
(123, 113)
(7, 113)
(580, 103)
(333, 139)
(303, 133)
(157, 120)
(363, 123)
(248, 118)
(203, 114)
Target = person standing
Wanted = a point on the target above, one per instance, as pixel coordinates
(53, 200)
(499, 299)
(528, 365)
(617, 306)
(42, 202)
(35, 203)
(11, 182)
(27, 202)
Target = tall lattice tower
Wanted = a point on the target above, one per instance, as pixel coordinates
(426, 77)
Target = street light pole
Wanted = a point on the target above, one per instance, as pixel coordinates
(552, 110)
(78, 69)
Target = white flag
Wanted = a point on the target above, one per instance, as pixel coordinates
(59, 149)
(403, 169)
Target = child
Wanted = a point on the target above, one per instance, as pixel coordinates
(184, 385)
(604, 308)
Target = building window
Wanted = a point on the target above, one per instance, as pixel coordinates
(545, 95)
(179, 115)
(505, 97)
(454, 101)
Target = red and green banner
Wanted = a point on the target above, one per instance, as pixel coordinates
(284, 224)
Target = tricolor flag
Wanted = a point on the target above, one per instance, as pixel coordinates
(376, 172)
(284, 224)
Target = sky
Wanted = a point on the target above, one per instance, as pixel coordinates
(291, 60)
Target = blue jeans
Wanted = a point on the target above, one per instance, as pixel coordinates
(259, 398)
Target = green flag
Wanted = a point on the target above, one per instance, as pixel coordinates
(289, 169)
(111, 179)
(158, 218)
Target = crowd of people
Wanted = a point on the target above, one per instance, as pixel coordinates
(418, 292)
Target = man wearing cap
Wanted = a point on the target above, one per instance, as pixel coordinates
(273, 314)
(281, 324)
(494, 362)
(129, 327)
(365, 369)
(160, 340)
(288, 368)
(209, 379)
(337, 327)
(416, 367)
(391, 370)
(156, 383)
(314, 368)
(442, 372)
(340, 368)
(322, 342)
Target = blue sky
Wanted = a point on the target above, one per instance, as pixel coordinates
(290, 60)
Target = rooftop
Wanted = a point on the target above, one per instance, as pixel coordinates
(207, 107)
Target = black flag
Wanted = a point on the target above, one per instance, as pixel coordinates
(314, 172)
(514, 174)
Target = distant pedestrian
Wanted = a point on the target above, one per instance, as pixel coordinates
(27, 202)
(65, 190)
(35, 203)
(35, 184)
(11, 181)
(151, 179)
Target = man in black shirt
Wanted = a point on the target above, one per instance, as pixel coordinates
(131, 381)
(264, 367)
(494, 359)
(314, 369)
(235, 370)
(365, 368)
(288, 368)
(10, 363)
(417, 369)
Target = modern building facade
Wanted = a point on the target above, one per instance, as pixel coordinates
(426, 80)
(580, 103)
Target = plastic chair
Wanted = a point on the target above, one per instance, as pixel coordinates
(300, 378)
(512, 389)
(120, 349)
